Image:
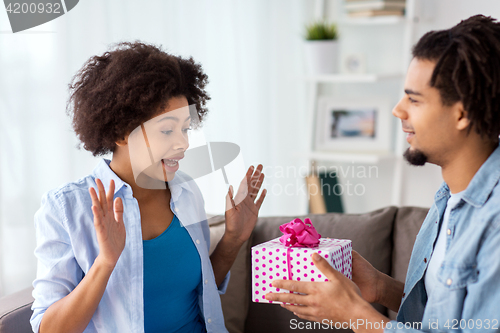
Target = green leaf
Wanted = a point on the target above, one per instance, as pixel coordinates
(321, 30)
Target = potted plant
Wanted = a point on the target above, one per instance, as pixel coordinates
(321, 48)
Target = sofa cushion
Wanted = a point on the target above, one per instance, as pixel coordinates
(217, 229)
(236, 299)
(15, 312)
(371, 236)
(406, 226)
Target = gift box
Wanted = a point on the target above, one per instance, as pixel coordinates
(289, 258)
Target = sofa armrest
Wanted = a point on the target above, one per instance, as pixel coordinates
(15, 312)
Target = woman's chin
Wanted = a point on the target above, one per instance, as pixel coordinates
(154, 178)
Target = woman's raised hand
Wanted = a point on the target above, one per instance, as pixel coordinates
(241, 218)
(108, 223)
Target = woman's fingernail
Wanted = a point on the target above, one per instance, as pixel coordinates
(316, 256)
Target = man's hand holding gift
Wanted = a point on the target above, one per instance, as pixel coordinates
(337, 299)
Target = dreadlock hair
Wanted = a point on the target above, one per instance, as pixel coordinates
(467, 70)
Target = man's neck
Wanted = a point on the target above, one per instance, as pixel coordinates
(459, 171)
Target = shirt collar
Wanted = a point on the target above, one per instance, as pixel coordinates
(484, 181)
(443, 192)
(180, 181)
(481, 185)
(105, 174)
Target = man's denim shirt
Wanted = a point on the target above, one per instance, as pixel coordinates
(468, 296)
(67, 247)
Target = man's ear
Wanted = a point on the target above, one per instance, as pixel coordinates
(122, 142)
(463, 121)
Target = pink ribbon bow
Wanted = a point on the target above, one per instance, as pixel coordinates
(299, 234)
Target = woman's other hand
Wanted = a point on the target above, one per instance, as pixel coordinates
(108, 223)
(241, 218)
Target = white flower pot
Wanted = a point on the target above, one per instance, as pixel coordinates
(321, 56)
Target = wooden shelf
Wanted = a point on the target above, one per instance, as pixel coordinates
(367, 158)
(352, 78)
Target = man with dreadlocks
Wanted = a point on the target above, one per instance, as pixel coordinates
(451, 114)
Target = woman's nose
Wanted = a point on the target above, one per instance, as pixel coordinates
(181, 141)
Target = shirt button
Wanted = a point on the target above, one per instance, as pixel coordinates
(176, 209)
(448, 282)
(206, 281)
(198, 241)
(404, 294)
(448, 231)
(209, 320)
(425, 260)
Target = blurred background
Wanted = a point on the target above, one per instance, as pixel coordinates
(265, 98)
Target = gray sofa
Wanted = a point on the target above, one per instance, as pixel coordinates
(384, 237)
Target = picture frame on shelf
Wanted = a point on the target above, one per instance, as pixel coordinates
(348, 125)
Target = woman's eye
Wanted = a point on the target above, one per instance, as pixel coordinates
(185, 130)
(411, 100)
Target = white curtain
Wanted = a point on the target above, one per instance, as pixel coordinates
(251, 51)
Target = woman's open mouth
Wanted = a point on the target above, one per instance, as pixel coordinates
(170, 163)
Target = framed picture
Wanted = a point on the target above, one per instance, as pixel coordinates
(353, 125)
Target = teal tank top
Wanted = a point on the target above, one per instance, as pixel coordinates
(172, 278)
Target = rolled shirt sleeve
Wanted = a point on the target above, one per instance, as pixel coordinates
(223, 286)
(58, 272)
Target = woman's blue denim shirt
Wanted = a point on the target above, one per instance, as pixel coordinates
(67, 247)
(468, 296)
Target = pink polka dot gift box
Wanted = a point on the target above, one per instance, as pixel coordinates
(289, 258)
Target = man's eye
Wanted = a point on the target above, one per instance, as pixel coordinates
(411, 100)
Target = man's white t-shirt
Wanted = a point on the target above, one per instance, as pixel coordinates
(437, 257)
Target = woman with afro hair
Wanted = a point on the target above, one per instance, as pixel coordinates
(133, 257)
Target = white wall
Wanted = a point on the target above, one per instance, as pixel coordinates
(382, 47)
(252, 52)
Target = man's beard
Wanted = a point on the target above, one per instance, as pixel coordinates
(415, 157)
